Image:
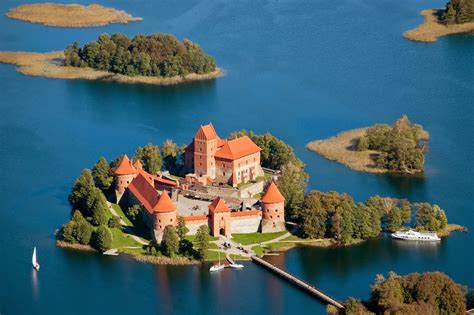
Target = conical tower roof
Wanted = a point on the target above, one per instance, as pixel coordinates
(272, 195)
(125, 167)
(164, 204)
(219, 205)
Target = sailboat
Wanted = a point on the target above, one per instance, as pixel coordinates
(34, 261)
(217, 267)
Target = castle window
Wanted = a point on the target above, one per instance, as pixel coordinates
(160, 226)
(159, 220)
(278, 216)
(268, 210)
(223, 173)
(128, 182)
(271, 217)
(276, 210)
(171, 220)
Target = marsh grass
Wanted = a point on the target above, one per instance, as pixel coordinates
(432, 28)
(340, 148)
(69, 15)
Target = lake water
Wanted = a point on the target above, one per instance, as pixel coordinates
(301, 70)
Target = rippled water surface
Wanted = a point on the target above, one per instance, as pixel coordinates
(298, 69)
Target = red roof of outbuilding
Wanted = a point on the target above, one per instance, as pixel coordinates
(237, 148)
(219, 205)
(145, 193)
(125, 167)
(164, 204)
(272, 195)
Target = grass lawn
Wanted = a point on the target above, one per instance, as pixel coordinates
(121, 239)
(133, 251)
(192, 238)
(121, 214)
(213, 256)
(254, 238)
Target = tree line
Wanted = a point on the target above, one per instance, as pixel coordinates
(458, 11)
(415, 293)
(158, 55)
(402, 146)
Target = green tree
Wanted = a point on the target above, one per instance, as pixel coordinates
(314, 216)
(181, 229)
(170, 241)
(102, 174)
(429, 217)
(97, 207)
(114, 222)
(82, 230)
(102, 239)
(394, 220)
(81, 189)
(68, 232)
(150, 157)
(133, 212)
(362, 144)
(202, 242)
(292, 185)
(169, 152)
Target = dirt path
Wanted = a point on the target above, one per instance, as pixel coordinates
(127, 230)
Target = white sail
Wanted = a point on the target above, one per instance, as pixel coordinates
(33, 259)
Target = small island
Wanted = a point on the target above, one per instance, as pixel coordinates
(157, 59)
(415, 293)
(456, 18)
(180, 205)
(400, 148)
(69, 15)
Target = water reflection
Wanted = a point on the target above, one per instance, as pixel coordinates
(412, 187)
(35, 284)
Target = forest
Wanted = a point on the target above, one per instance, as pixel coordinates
(159, 55)
(458, 12)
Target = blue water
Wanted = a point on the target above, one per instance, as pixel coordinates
(301, 70)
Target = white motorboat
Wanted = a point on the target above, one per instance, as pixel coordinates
(236, 266)
(34, 260)
(411, 235)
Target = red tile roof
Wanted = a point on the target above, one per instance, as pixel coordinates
(164, 203)
(144, 192)
(138, 165)
(125, 167)
(206, 132)
(272, 195)
(237, 148)
(218, 205)
(164, 181)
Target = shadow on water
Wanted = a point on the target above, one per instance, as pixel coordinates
(412, 187)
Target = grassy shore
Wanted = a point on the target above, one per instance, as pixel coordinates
(451, 228)
(64, 244)
(50, 65)
(432, 28)
(69, 15)
(339, 148)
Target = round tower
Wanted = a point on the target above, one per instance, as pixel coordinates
(164, 214)
(124, 174)
(273, 210)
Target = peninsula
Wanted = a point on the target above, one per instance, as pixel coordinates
(69, 15)
(456, 18)
(116, 58)
(180, 205)
(400, 148)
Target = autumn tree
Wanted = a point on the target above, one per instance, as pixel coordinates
(170, 241)
(150, 157)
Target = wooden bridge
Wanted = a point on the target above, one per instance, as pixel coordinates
(298, 282)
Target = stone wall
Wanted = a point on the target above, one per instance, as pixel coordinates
(193, 225)
(245, 223)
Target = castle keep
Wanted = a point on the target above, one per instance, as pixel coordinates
(214, 161)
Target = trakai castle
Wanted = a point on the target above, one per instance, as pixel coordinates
(210, 194)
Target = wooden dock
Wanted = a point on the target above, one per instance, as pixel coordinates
(298, 282)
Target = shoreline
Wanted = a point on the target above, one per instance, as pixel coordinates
(80, 247)
(69, 15)
(337, 148)
(431, 28)
(49, 65)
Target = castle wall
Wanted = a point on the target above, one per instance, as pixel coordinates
(193, 223)
(241, 222)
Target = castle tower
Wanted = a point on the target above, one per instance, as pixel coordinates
(124, 174)
(273, 210)
(219, 218)
(205, 146)
(164, 214)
